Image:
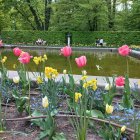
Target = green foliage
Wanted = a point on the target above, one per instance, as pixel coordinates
(21, 101)
(126, 99)
(78, 38)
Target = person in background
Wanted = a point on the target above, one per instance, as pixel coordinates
(101, 42)
(97, 41)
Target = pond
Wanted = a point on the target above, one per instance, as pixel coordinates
(110, 63)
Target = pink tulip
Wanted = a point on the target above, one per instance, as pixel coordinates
(81, 61)
(1, 43)
(17, 51)
(66, 51)
(120, 81)
(24, 58)
(124, 50)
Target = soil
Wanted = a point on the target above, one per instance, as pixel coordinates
(24, 130)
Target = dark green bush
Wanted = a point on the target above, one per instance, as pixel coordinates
(112, 38)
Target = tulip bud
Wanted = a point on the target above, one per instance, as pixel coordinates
(16, 79)
(123, 128)
(45, 102)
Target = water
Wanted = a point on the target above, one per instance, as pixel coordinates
(109, 63)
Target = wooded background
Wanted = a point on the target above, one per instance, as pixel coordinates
(70, 15)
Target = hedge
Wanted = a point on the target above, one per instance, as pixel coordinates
(112, 38)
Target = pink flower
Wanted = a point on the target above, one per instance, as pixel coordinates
(17, 51)
(120, 81)
(1, 43)
(81, 61)
(24, 58)
(124, 50)
(66, 51)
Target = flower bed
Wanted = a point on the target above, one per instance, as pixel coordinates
(62, 110)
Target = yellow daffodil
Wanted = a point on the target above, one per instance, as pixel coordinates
(50, 72)
(45, 56)
(64, 71)
(45, 102)
(3, 61)
(5, 58)
(14, 66)
(84, 78)
(123, 128)
(77, 96)
(94, 87)
(109, 109)
(39, 80)
(36, 60)
(139, 82)
(16, 79)
(85, 85)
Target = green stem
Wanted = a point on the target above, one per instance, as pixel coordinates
(70, 64)
(127, 66)
(1, 128)
(29, 96)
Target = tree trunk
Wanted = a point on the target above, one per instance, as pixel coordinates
(36, 18)
(47, 14)
(111, 5)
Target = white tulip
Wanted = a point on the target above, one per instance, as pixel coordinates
(16, 79)
(45, 102)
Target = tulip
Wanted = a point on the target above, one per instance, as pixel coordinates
(77, 96)
(17, 51)
(84, 72)
(1, 43)
(45, 102)
(24, 58)
(64, 71)
(81, 61)
(109, 109)
(16, 79)
(66, 51)
(124, 50)
(107, 87)
(123, 128)
(120, 81)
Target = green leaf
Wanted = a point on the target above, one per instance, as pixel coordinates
(59, 136)
(38, 122)
(95, 113)
(54, 112)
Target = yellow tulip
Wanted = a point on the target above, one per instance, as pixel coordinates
(109, 109)
(123, 128)
(45, 102)
(77, 96)
(16, 79)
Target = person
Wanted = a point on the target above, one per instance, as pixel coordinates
(40, 42)
(97, 42)
(101, 42)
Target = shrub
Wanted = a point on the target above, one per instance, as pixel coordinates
(87, 38)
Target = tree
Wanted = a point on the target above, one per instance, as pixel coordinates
(31, 11)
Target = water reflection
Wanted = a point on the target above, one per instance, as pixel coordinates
(108, 62)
